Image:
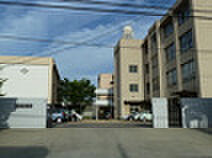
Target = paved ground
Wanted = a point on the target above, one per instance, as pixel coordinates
(104, 124)
(105, 143)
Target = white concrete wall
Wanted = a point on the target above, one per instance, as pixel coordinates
(160, 112)
(25, 81)
(13, 117)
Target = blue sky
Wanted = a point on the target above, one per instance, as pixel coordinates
(74, 26)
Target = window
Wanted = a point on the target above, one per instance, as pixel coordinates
(186, 41)
(172, 77)
(183, 15)
(155, 61)
(133, 88)
(147, 68)
(155, 83)
(155, 71)
(148, 88)
(170, 52)
(168, 29)
(145, 48)
(133, 68)
(188, 71)
(154, 38)
(154, 43)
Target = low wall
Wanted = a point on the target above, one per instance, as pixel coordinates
(23, 113)
(160, 112)
(193, 112)
(196, 113)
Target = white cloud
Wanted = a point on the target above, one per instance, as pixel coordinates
(75, 63)
(82, 61)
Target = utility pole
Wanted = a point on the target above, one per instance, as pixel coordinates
(97, 117)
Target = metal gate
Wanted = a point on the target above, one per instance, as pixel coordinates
(174, 111)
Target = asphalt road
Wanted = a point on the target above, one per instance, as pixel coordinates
(104, 124)
(105, 143)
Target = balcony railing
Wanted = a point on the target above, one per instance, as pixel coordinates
(103, 92)
(104, 103)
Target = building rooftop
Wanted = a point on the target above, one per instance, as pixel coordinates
(29, 60)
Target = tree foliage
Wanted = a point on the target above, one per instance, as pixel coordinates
(78, 92)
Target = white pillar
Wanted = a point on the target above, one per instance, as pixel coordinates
(97, 117)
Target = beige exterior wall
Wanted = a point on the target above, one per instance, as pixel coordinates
(203, 42)
(127, 52)
(105, 81)
(53, 75)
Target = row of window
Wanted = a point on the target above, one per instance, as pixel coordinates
(186, 43)
(133, 69)
(188, 73)
(182, 17)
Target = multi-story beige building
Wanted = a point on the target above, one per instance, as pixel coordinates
(175, 57)
(177, 52)
(104, 95)
(29, 77)
(128, 78)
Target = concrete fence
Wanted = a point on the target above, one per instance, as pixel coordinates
(192, 113)
(23, 113)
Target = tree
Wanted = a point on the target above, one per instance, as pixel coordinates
(77, 93)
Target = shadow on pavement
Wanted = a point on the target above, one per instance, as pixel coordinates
(205, 130)
(122, 151)
(23, 152)
(2, 129)
(103, 125)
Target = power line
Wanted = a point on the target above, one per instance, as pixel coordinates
(83, 44)
(41, 40)
(102, 34)
(112, 11)
(138, 6)
(91, 39)
(68, 7)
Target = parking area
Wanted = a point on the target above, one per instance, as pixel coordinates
(104, 143)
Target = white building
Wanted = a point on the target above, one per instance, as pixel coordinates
(30, 84)
(29, 77)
